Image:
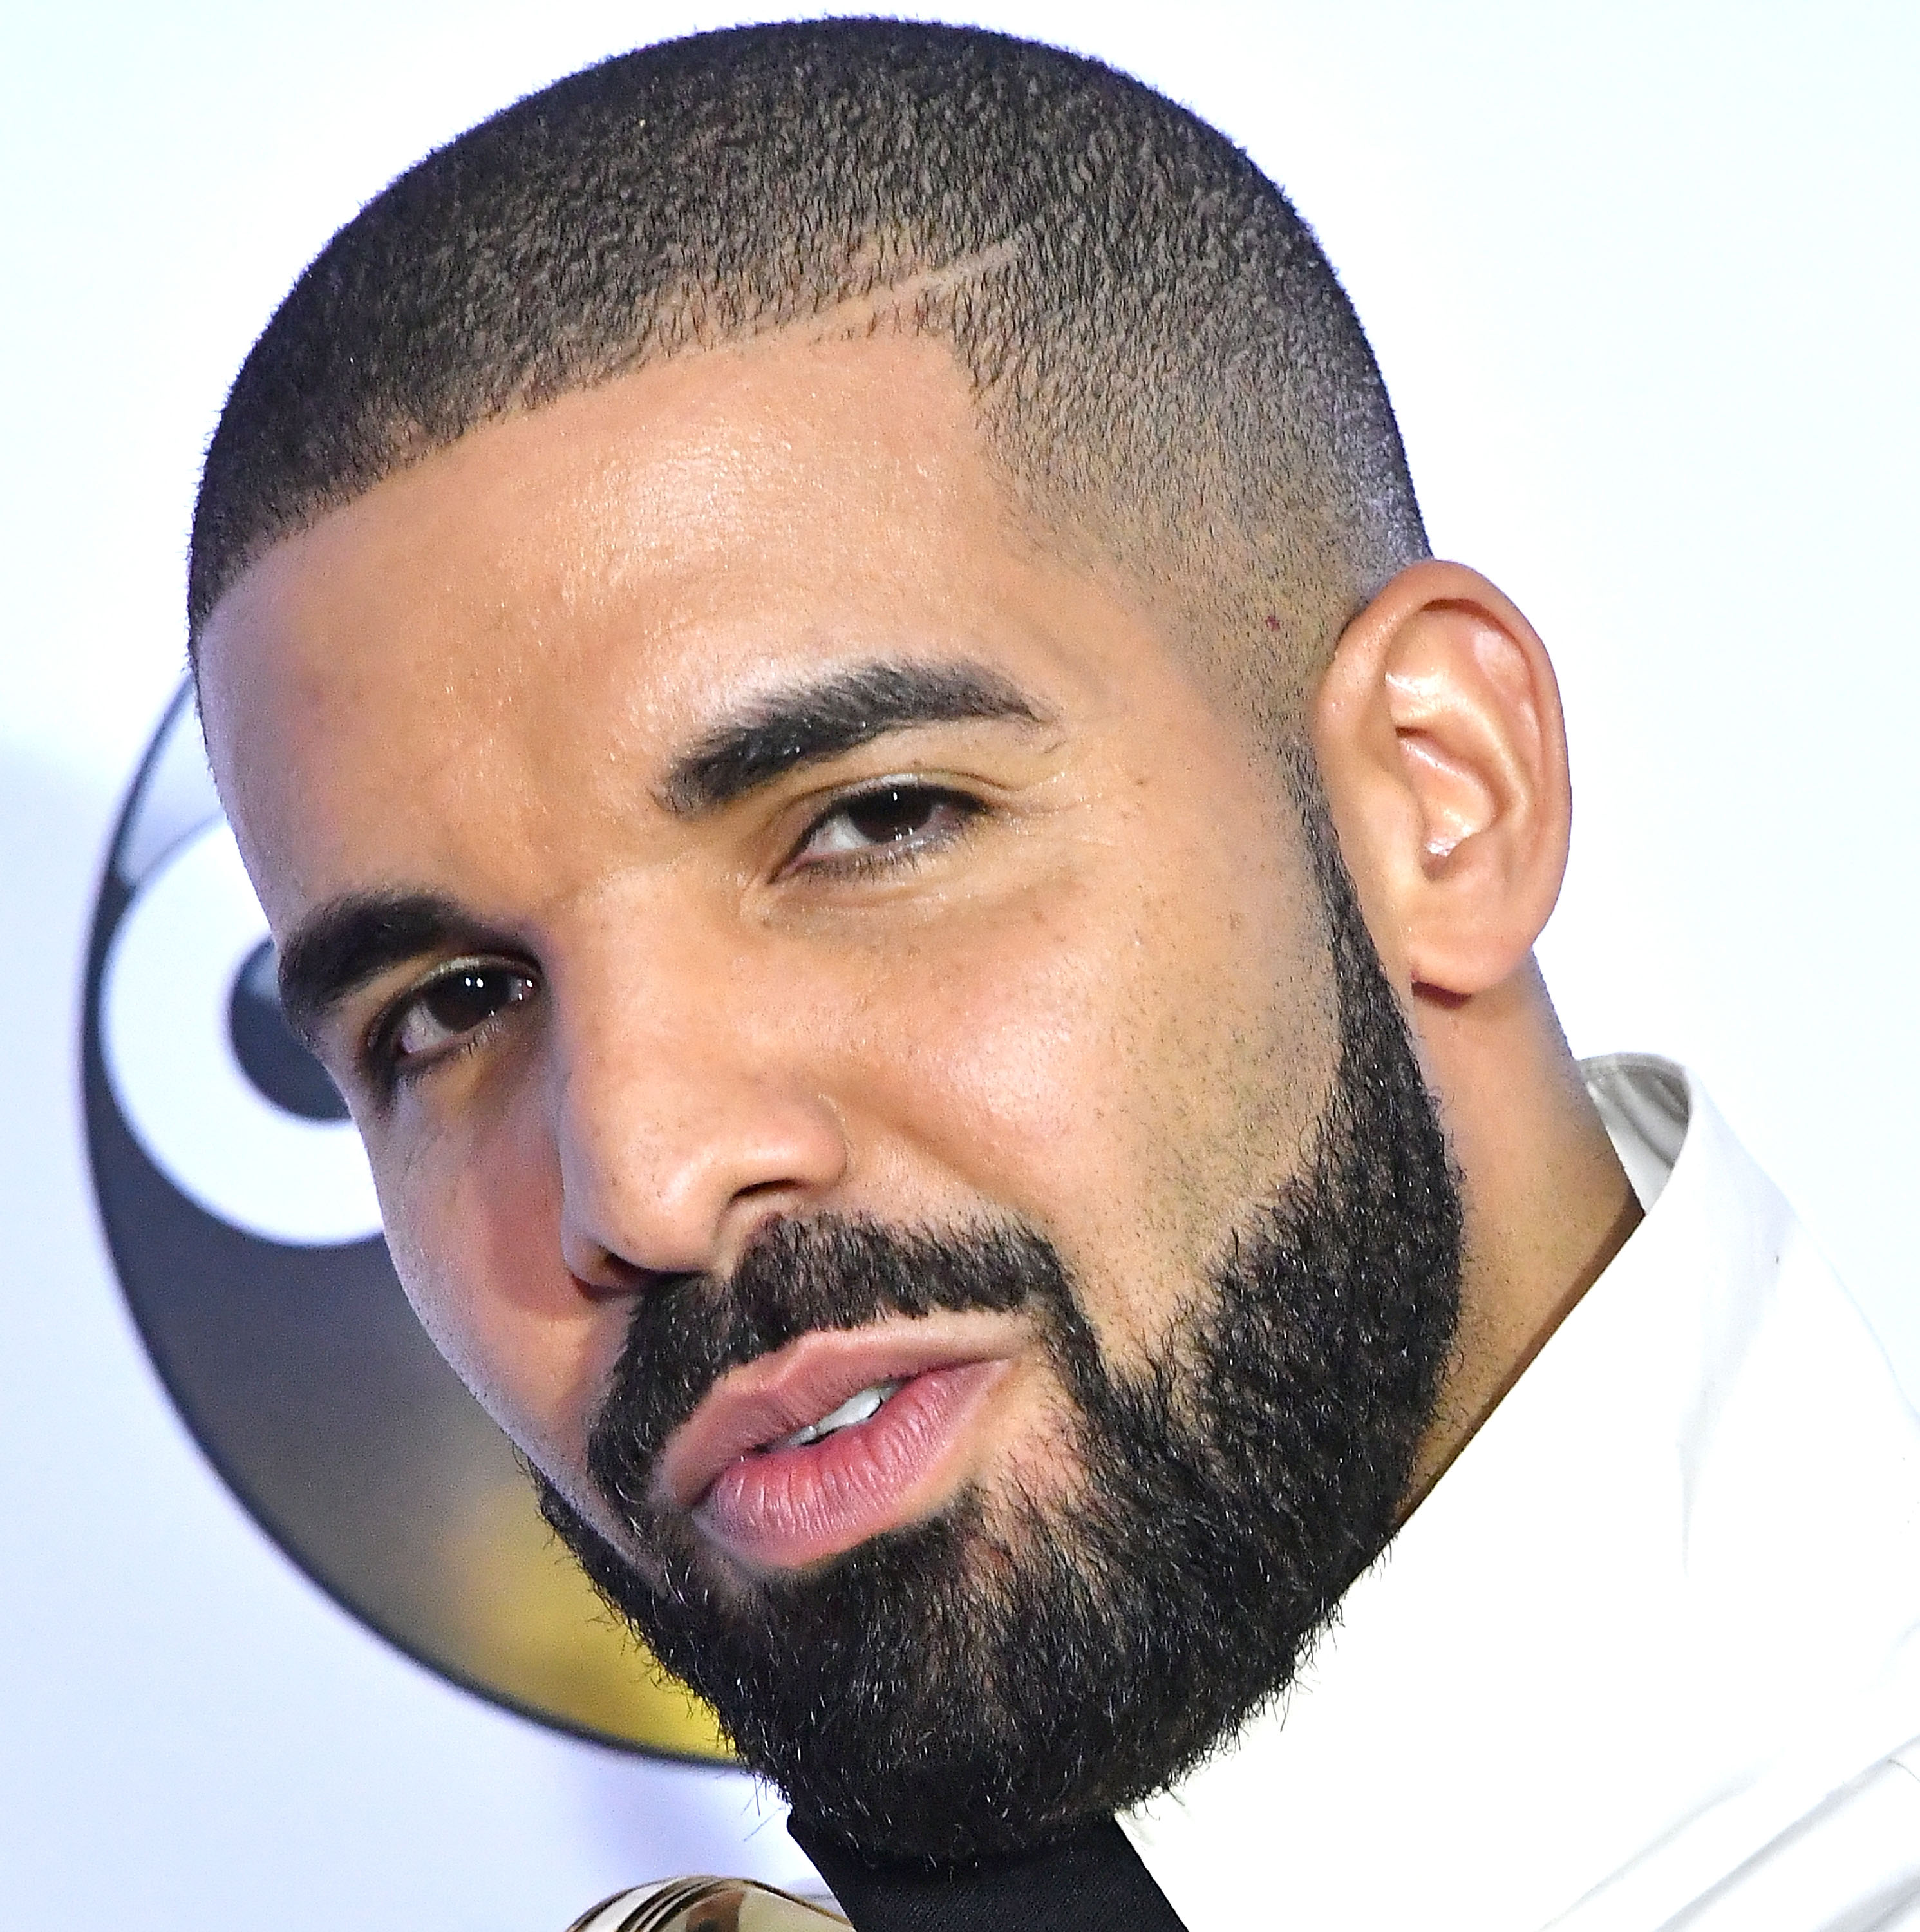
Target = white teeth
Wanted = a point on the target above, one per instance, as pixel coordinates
(855, 1409)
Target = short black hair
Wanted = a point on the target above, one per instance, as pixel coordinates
(1163, 360)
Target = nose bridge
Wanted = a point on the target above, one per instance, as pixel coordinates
(688, 1107)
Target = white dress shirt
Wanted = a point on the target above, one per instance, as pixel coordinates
(1648, 1653)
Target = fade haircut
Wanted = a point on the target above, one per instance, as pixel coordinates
(1167, 373)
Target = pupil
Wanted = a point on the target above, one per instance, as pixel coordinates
(465, 999)
(886, 817)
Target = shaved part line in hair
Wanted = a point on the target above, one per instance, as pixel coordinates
(1167, 376)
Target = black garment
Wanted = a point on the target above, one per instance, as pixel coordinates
(1092, 1881)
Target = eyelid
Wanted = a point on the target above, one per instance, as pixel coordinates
(824, 806)
(825, 800)
(807, 808)
(377, 1062)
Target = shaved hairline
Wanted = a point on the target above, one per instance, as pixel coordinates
(1166, 377)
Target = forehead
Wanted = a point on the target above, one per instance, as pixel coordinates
(548, 609)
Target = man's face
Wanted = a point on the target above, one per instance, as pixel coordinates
(697, 811)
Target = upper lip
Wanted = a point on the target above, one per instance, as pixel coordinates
(769, 1399)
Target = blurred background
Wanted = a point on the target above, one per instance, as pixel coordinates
(1642, 279)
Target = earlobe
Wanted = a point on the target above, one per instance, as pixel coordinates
(1439, 733)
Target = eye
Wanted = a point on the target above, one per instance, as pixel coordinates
(889, 820)
(453, 1007)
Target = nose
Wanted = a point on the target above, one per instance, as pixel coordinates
(682, 1124)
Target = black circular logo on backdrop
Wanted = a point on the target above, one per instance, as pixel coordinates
(242, 1221)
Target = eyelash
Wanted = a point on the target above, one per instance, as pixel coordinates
(388, 1070)
(891, 855)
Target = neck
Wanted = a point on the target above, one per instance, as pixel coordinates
(1547, 1205)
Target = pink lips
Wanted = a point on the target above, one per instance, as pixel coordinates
(783, 1508)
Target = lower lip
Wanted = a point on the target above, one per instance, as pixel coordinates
(784, 1508)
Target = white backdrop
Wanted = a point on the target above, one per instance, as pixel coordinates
(1642, 279)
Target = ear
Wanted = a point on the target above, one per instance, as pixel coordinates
(1442, 749)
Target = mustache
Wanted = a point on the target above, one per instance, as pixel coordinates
(795, 1277)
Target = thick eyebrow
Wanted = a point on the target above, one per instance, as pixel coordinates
(840, 713)
(342, 945)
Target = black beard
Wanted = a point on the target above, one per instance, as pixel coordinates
(979, 1683)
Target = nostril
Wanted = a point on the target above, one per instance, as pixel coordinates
(611, 1274)
(657, 1281)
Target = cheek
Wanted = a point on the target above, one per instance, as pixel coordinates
(472, 1220)
(1127, 1071)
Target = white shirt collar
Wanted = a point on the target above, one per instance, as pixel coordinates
(1667, 1597)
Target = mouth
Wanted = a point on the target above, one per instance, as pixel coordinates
(836, 1438)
